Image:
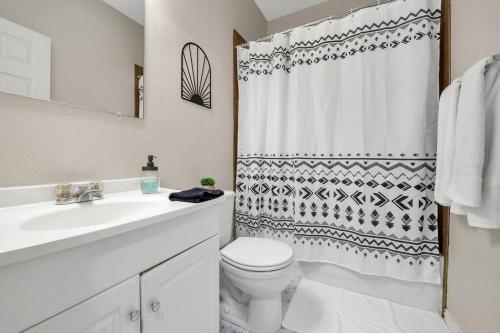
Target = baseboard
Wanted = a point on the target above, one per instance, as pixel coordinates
(452, 324)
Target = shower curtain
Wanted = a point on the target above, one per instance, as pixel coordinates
(337, 140)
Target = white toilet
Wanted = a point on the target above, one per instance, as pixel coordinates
(261, 269)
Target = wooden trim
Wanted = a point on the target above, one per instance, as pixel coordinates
(138, 71)
(444, 81)
(445, 58)
(237, 40)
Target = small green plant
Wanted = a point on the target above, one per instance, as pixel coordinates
(208, 182)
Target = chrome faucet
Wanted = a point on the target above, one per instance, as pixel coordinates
(77, 193)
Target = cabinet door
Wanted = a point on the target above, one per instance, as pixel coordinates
(113, 311)
(182, 295)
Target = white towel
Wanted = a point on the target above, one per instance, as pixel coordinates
(475, 180)
(487, 215)
(467, 176)
(447, 116)
(458, 209)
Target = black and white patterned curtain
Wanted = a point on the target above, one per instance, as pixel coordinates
(337, 140)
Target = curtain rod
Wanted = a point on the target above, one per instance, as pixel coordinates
(331, 17)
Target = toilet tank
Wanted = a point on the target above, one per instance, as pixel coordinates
(226, 218)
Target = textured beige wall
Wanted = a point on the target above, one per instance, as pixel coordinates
(314, 13)
(474, 273)
(43, 142)
(94, 50)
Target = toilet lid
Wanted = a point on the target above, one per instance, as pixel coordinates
(257, 254)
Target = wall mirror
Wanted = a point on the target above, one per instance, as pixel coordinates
(88, 53)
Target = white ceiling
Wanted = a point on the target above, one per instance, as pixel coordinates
(132, 8)
(273, 9)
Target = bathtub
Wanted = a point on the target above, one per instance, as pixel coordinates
(424, 296)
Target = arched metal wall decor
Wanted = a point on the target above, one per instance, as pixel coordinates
(196, 76)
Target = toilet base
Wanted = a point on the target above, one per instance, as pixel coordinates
(265, 315)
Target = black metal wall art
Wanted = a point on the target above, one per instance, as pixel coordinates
(196, 76)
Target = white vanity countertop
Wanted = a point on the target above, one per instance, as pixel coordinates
(29, 231)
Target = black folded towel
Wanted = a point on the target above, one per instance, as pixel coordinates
(196, 195)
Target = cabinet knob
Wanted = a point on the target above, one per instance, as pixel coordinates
(155, 306)
(134, 315)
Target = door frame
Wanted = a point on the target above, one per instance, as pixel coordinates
(237, 41)
(138, 72)
(444, 81)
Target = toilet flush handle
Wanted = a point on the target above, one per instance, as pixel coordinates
(134, 315)
(155, 306)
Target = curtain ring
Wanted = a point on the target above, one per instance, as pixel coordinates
(330, 19)
(352, 12)
(378, 4)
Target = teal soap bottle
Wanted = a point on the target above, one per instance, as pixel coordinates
(150, 180)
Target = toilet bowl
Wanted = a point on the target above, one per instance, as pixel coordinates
(261, 268)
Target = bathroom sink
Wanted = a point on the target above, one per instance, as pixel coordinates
(90, 214)
(32, 225)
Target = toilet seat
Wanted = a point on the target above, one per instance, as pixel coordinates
(257, 254)
(255, 268)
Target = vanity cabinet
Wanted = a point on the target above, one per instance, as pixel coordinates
(182, 295)
(179, 295)
(116, 310)
(89, 268)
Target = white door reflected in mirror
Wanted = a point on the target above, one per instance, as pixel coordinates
(24, 61)
(85, 53)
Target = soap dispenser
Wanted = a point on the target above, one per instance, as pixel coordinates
(150, 181)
